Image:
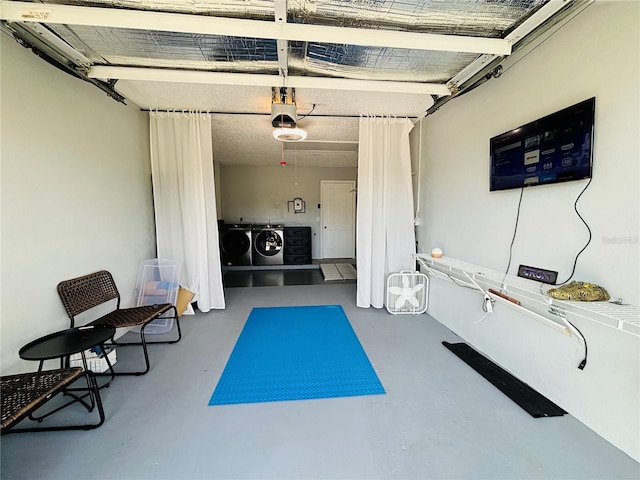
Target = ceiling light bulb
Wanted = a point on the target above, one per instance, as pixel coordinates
(289, 134)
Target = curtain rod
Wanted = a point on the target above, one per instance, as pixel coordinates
(259, 113)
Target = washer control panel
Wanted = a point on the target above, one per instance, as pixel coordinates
(538, 274)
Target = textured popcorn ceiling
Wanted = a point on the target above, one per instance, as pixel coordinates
(245, 137)
(242, 112)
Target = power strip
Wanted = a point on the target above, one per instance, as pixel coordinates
(538, 274)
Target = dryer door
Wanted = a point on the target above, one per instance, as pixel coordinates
(235, 243)
(268, 243)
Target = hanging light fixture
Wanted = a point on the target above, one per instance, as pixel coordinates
(289, 134)
(284, 115)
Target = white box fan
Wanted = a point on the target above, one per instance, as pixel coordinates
(407, 293)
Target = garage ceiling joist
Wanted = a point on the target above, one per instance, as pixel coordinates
(251, 79)
(487, 49)
(207, 25)
(344, 57)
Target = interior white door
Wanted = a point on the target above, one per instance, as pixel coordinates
(338, 212)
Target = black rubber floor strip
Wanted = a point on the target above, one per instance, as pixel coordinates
(526, 397)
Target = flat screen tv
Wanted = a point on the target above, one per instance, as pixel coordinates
(555, 148)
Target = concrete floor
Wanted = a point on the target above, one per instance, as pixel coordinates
(438, 420)
(279, 275)
(272, 278)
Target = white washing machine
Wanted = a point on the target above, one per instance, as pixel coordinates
(268, 244)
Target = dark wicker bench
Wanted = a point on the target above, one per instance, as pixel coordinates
(23, 394)
(84, 293)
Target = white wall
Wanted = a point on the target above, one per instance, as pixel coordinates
(596, 54)
(76, 194)
(256, 194)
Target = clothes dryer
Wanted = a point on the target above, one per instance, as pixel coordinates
(268, 244)
(235, 244)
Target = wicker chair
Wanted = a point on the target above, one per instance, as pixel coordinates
(23, 394)
(83, 293)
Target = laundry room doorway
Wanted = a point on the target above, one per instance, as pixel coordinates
(337, 218)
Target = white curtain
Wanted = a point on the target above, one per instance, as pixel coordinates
(385, 236)
(185, 201)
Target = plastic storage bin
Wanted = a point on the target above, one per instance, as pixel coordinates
(158, 282)
(95, 362)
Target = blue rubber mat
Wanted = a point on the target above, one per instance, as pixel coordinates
(296, 353)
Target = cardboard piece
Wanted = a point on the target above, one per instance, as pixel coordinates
(184, 301)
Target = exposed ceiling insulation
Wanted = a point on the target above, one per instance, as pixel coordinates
(344, 58)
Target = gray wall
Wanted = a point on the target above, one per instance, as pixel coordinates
(76, 194)
(257, 194)
(596, 54)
